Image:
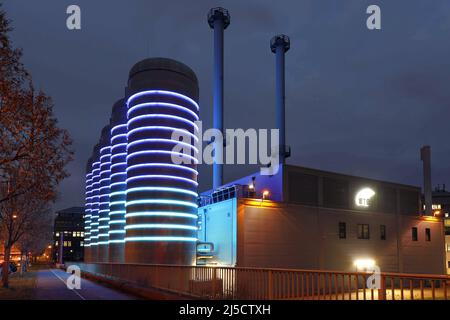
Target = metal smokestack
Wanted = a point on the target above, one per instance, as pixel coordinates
(425, 155)
(279, 45)
(218, 19)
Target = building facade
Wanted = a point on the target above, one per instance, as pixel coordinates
(441, 208)
(311, 219)
(68, 234)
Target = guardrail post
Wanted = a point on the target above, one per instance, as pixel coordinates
(382, 289)
(270, 285)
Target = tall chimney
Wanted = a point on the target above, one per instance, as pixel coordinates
(219, 20)
(425, 155)
(279, 45)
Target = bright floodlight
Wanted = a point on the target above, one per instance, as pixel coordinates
(363, 196)
(364, 263)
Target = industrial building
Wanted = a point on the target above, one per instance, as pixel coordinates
(141, 207)
(304, 218)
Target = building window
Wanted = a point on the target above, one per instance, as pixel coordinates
(428, 234)
(342, 230)
(448, 264)
(81, 243)
(382, 232)
(57, 234)
(448, 247)
(363, 231)
(414, 234)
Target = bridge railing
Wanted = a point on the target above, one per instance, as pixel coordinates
(205, 282)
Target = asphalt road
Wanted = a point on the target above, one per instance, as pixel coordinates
(51, 285)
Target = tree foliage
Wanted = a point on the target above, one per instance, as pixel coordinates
(34, 151)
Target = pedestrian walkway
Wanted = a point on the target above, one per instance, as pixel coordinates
(51, 285)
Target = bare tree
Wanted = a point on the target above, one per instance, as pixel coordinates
(34, 151)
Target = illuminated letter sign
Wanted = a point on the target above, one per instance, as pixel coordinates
(363, 196)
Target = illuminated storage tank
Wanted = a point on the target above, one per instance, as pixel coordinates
(161, 207)
(93, 239)
(103, 210)
(87, 210)
(118, 182)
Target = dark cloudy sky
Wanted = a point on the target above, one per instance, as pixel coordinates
(358, 102)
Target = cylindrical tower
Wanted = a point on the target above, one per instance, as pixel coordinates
(279, 45)
(103, 220)
(95, 203)
(87, 211)
(161, 209)
(118, 182)
(219, 20)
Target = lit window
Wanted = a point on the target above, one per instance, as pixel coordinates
(74, 234)
(57, 234)
(81, 243)
(363, 231)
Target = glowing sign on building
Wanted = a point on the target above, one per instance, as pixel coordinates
(362, 198)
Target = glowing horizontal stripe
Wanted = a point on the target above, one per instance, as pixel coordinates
(116, 202)
(117, 184)
(118, 174)
(94, 224)
(116, 231)
(195, 160)
(118, 164)
(105, 156)
(170, 165)
(164, 116)
(161, 214)
(111, 213)
(118, 127)
(96, 163)
(162, 201)
(160, 176)
(89, 174)
(182, 131)
(162, 92)
(117, 193)
(180, 239)
(179, 190)
(103, 219)
(118, 155)
(104, 148)
(100, 203)
(116, 241)
(163, 140)
(118, 145)
(163, 104)
(117, 221)
(159, 226)
(118, 136)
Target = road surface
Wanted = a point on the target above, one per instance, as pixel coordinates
(51, 285)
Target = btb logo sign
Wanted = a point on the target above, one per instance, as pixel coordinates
(74, 280)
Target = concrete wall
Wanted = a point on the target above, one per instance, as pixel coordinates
(296, 236)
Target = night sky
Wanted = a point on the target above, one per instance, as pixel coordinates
(358, 102)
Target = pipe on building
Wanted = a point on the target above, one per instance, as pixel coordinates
(425, 155)
(279, 45)
(219, 20)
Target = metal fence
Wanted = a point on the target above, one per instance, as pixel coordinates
(204, 282)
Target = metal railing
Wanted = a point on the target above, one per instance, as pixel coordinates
(206, 282)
